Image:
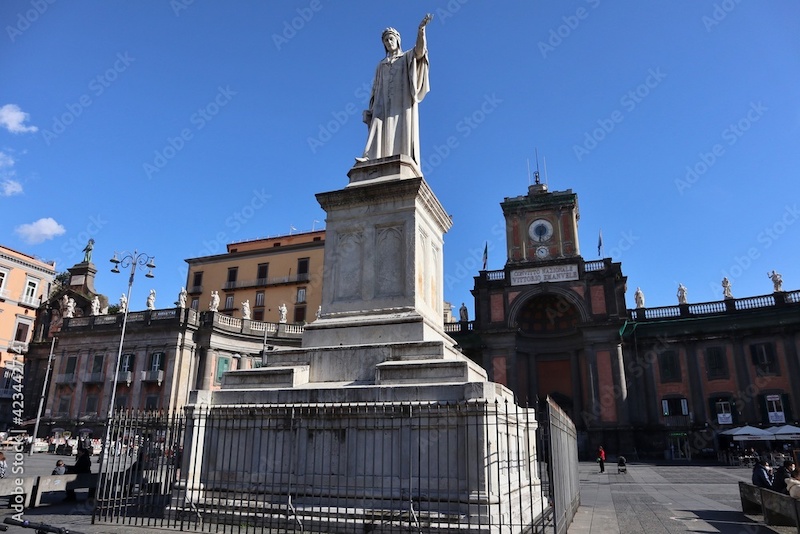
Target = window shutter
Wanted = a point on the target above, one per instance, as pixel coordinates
(684, 407)
(734, 411)
(787, 409)
(665, 407)
(762, 404)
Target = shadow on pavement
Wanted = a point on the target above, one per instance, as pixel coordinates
(732, 522)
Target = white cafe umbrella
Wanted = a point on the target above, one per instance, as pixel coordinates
(785, 432)
(750, 433)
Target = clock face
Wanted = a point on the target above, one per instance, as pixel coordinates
(540, 230)
(542, 252)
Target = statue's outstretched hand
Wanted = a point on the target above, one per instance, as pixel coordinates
(426, 20)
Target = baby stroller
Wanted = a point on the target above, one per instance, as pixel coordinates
(622, 465)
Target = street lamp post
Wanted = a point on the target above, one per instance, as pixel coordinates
(132, 260)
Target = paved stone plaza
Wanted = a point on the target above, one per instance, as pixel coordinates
(660, 499)
(650, 499)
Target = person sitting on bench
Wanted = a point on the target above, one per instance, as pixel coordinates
(83, 464)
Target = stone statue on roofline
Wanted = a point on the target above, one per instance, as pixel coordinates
(726, 288)
(777, 281)
(400, 84)
(639, 297)
(682, 294)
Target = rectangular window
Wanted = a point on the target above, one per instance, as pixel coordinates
(261, 273)
(72, 361)
(764, 360)
(3, 277)
(195, 304)
(670, 366)
(63, 404)
(258, 315)
(157, 361)
(126, 364)
(228, 302)
(30, 289)
(223, 364)
(302, 269)
(301, 295)
(675, 407)
(775, 410)
(716, 363)
(151, 403)
(121, 402)
(97, 363)
(299, 314)
(232, 272)
(91, 404)
(197, 279)
(22, 332)
(724, 415)
(259, 299)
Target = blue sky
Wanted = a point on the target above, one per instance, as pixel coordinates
(176, 127)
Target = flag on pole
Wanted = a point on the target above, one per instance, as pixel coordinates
(485, 255)
(600, 243)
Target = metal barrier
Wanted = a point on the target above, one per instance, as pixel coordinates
(390, 467)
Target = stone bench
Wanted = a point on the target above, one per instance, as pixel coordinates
(52, 483)
(10, 488)
(778, 509)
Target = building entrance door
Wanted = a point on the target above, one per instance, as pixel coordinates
(679, 447)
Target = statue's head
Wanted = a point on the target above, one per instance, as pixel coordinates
(387, 32)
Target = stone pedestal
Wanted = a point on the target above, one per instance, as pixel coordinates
(343, 411)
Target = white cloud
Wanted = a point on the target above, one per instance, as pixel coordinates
(39, 231)
(11, 118)
(6, 160)
(10, 187)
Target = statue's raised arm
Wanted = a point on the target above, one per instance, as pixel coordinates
(420, 48)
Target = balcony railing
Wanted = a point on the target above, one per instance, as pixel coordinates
(153, 376)
(125, 376)
(263, 282)
(29, 300)
(677, 421)
(94, 378)
(65, 378)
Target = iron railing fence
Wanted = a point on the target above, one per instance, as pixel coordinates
(379, 467)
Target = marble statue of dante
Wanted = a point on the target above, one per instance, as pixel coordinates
(87, 251)
(682, 294)
(639, 297)
(151, 300)
(777, 281)
(246, 309)
(726, 288)
(400, 84)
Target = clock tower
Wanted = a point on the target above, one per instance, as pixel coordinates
(541, 225)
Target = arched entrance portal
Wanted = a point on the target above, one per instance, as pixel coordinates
(549, 344)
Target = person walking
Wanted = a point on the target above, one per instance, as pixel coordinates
(601, 458)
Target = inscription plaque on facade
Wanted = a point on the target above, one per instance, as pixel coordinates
(553, 273)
